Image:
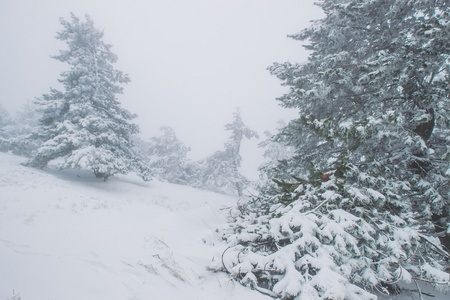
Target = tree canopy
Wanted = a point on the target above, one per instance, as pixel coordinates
(368, 194)
(84, 126)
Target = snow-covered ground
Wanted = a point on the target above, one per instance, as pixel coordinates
(67, 235)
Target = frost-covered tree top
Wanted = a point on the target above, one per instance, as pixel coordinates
(239, 131)
(375, 89)
(167, 156)
(85, 124)
(166, 145)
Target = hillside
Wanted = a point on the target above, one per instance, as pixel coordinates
(67, 235)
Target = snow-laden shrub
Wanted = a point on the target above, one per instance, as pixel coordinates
(331, 238)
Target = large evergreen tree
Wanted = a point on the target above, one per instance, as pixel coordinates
(84, 125)
(220, 171)
(369, 193)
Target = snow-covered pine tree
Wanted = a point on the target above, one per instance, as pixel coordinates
(5, 121)
(5, 117)
(220, 171)
(167, 157)
(369, 193)
(277, 154)
(84, 126)
(18, 135)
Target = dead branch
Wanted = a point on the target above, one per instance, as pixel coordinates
(223, 263)
(438, 249)
(266, 292)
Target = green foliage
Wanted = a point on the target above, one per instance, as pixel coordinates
(369, 194)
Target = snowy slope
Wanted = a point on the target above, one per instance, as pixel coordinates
(67, 235)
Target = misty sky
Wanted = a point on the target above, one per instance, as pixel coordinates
(191, 62)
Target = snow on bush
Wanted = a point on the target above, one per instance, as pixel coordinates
(333, 241)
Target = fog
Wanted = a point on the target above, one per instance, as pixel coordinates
(191, 62)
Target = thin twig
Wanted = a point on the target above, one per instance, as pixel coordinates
(415, 291)
(223, 264)
(439, 249)
(266, 291)
(432, 282)
(224, 208)
(418, 289)
(320, 205)
(397, 279)
(238, 258)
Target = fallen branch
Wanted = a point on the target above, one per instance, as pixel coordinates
(418, 290)
(257, 288)
(433, 282)
(266, 291)
(319, 206)
(439, 249)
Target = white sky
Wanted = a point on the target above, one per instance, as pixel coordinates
(191, 62)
